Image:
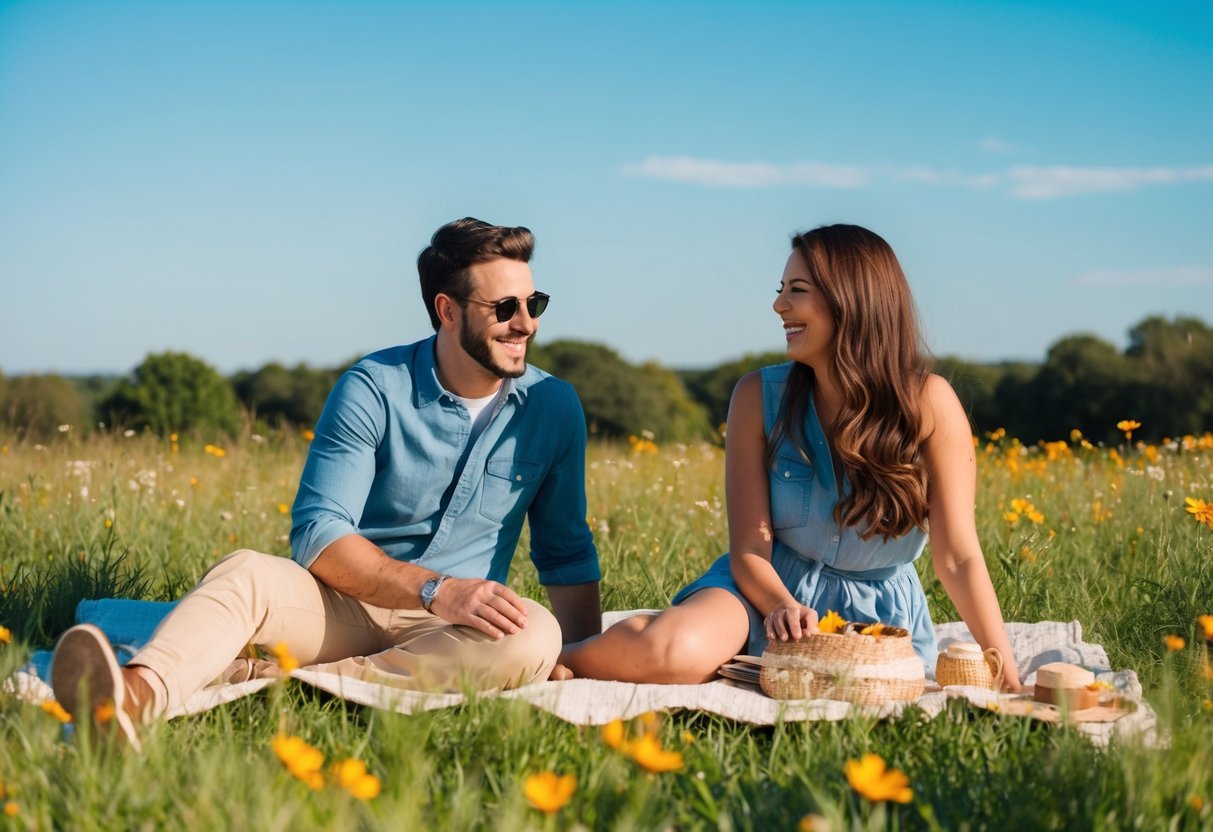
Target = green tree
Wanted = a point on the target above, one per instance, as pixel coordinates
(620, 399)
(679, 417)
(35, 406)
(174, 392)
(1085, 384)
(990, 393)
(1174, 362)
(280, 396)
(713, 387)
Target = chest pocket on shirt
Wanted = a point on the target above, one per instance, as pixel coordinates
(506, 483)
(791, 491)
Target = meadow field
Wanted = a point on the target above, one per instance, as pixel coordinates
(1119, 538)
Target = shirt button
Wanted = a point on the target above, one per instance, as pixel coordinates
(518, 478)
(787, 474)
(836, 538)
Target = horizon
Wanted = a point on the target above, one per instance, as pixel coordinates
(227, 373)
(251, 182)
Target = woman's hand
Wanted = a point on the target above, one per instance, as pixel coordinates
(789, 622)
(1008, 678)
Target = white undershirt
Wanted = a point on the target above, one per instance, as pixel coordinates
(480, 411)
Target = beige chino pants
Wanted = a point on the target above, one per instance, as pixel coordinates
(252, 598)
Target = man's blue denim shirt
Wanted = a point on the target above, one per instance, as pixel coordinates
(383, 464)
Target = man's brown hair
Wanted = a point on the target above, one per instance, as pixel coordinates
(455, 247)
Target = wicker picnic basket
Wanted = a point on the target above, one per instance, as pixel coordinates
(968, 664)
(865, 670)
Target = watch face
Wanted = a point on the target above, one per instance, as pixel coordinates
(428, 590)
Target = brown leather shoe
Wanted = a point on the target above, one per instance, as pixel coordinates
(88, 683)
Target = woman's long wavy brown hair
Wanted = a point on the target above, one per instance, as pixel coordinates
(880, 365)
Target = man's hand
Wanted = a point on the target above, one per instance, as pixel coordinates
(490, 607)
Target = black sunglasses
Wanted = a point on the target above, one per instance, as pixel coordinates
(507, 308)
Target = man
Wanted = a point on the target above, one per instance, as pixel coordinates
(424, 463)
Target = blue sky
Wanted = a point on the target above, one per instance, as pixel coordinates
(252, 181)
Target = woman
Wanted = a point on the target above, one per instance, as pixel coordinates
(836, 466)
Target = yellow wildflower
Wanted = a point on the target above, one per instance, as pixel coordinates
(1035, 516)
(647, 751)
(1075, 435)
(643, 445)
(1128, 426)
(1173, 642)
(53, 708)
(876, 629)
(813, 822)
(548, 791)
(995, 435)
(283, 508)
(103, 713)
(1011, 517)
(11, 809)
(872, 780)
(1196, 802)
(215, 451)
(832, 623)
(648, 721)
(613, 734)
(6, 635)
(688, 737)
(1201, 511)
(282, 655)
(1206, 625)
(352, 776)
(301, 760)
(308, 435)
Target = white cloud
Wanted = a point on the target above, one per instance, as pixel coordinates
(931, 176)
(713, 173)
(993, 144)
(1172, 276)
(1024, 181)
(1062, 180)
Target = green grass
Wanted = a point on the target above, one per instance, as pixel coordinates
(1115, 550)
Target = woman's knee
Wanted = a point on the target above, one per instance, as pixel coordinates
(687, 644)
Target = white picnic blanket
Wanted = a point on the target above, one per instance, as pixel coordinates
(592, 702)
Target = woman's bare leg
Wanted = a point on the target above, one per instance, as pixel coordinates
(681, 645)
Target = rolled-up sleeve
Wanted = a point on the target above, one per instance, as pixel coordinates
(340, 467)
(562, 547)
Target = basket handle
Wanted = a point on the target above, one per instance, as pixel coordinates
(994, 660)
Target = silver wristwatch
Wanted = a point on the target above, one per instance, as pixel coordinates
(429, 590)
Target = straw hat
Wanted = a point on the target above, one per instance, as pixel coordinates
(863, 669)
(1066, 685)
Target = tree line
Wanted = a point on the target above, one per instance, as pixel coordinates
(1163, 379)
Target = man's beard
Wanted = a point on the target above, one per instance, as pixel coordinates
(478, 348)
